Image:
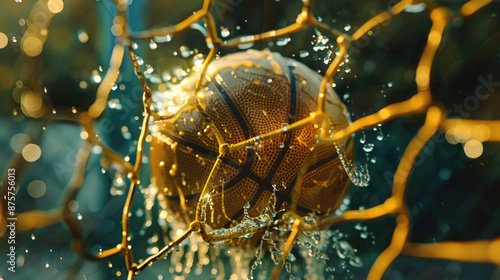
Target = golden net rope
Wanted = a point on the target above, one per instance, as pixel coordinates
(465, 130)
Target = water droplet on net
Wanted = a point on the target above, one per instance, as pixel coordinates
(153, 45)
(283, 41)
(368, 147)
(245, 46)
(149, 69)
(362, 140)
(184, 51)
(163, 39)
(415, 8)
(303, 54)
(380, 136)
(225, 32)
(347, 27)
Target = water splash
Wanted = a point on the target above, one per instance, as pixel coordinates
(359, 175)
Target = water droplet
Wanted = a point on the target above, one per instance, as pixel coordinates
(149, 69)
(283, 41)
(380, 135)
(184, 51)
(284, 126)
(368, 147)
(198, 60)
(115, 104)
(344, 249)
(362, 140)
(415, 8)
(389, 84)
(96, 78)
(364, 235)
(118, 187)
(303, 54)
(347, 27)
(356, 262)
(153, 45)
(225, 32)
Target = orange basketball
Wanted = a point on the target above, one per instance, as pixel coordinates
(244, 95)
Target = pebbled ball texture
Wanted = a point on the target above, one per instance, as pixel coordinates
(247, 94)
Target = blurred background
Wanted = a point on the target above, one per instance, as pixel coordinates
(452, 195)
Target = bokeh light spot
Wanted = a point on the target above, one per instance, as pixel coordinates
(3, 40)
(83, 37)
(32, 46)
(473, 148)
(18, 141)
(31, 152)
(55, 6)
(37, 188)
(32, 104)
